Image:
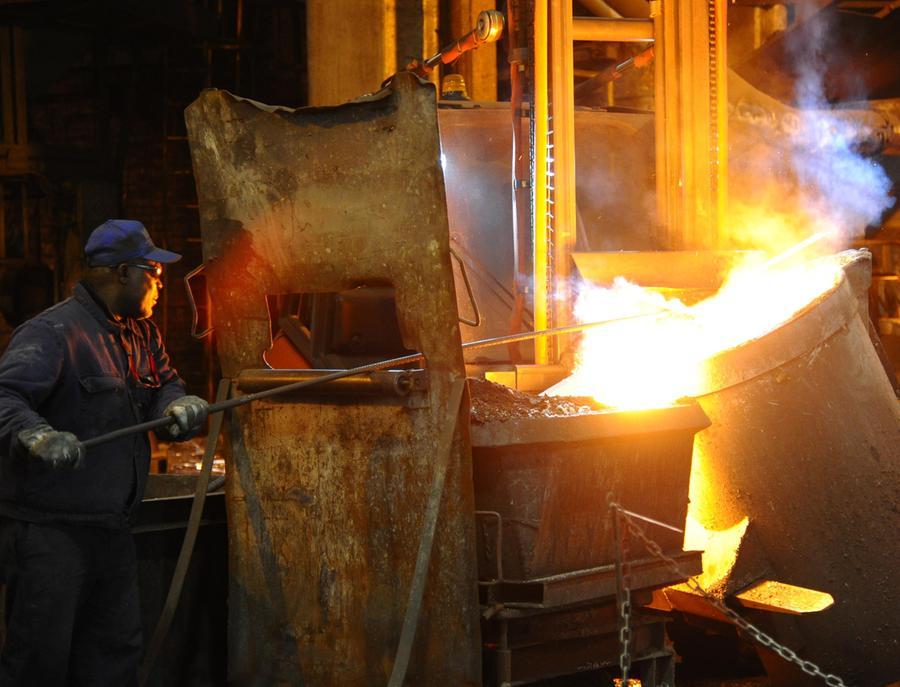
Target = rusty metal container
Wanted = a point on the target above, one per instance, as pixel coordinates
(805, 441)
(546, 540)
(548, 479)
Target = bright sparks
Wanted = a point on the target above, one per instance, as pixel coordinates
(656, 360)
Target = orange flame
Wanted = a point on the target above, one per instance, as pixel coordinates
(656, 360)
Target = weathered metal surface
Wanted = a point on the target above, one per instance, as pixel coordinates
(589, 585)
(546, 544)
(805, 440)
(577, 640)
(552, 491)
(325, 501)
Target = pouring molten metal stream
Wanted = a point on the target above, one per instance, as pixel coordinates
(654, 361)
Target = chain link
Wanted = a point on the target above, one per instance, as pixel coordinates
(758, 635)
(625, 634)
(623, 594)
(625, 659)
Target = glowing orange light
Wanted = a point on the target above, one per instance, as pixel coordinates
(656, 360)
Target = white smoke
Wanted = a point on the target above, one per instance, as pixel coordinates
(839, 184)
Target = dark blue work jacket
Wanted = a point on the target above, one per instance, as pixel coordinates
(80, 371)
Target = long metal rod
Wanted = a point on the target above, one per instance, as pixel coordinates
(658, 523)
(793, 250)
(362, 369)
(244, 400)
(556, 331)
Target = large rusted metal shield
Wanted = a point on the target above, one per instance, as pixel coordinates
(326, 499)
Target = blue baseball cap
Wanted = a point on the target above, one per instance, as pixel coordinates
(120, 240)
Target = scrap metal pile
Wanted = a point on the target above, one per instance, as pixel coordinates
(492, 402)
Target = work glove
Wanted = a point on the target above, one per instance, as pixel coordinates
(56, 449)
(189, 413)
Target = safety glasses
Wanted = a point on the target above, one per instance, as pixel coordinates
(155, 270)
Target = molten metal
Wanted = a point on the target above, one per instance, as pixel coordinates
(655, 361)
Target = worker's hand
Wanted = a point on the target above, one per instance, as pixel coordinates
(189, 413)
(55, 449)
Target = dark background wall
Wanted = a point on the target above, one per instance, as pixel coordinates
(91, 116)
(93, 96)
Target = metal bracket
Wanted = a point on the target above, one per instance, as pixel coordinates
(498, 545)
(190, 295)
(462, 268)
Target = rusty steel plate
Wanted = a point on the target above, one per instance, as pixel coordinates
(326, 501)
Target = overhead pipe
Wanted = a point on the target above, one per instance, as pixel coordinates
(601, 8)
(612, 30)
(872, 128)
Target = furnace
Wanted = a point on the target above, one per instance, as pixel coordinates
(330, 489)
(589, 312)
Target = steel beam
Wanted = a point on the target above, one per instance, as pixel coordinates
(613, 30)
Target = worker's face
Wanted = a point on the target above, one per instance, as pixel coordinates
(141, 283)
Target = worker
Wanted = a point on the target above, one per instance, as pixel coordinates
(84, 367)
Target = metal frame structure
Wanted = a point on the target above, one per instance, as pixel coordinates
(691, 136)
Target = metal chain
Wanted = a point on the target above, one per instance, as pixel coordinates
(626, 606)
(758, 635)
(623, 592)
(625, 635)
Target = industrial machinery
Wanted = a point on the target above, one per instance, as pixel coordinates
(377, 537)
(328, 490)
